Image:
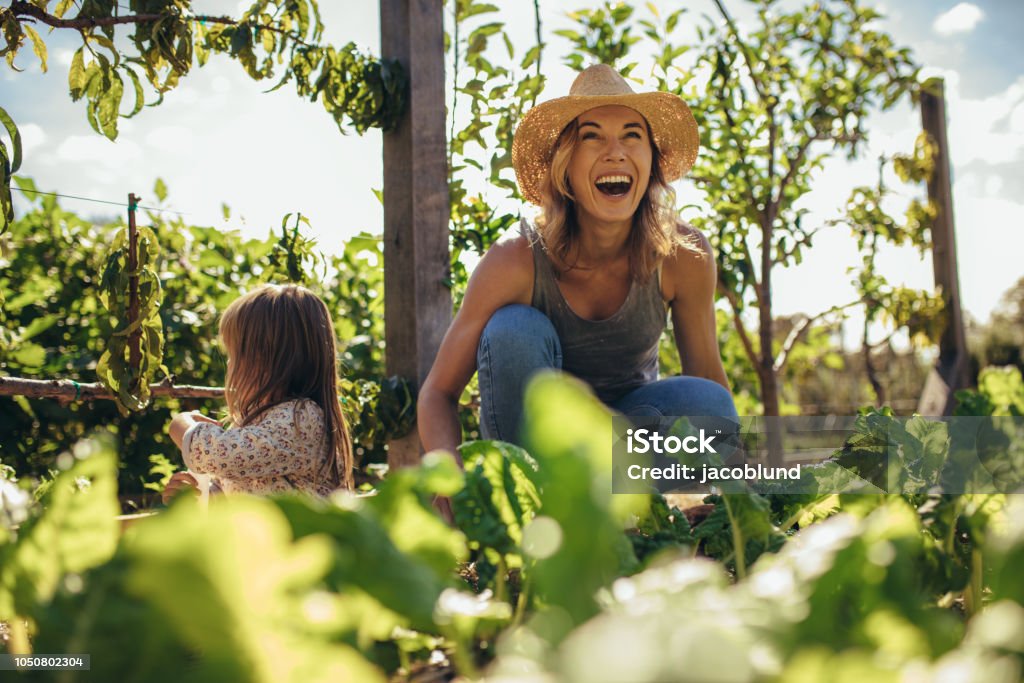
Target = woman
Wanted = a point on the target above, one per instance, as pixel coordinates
(588, 289)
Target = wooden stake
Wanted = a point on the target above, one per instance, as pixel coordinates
(417, 298)
(135, 337)
(951, 369)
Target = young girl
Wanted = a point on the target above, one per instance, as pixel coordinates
(288, 432)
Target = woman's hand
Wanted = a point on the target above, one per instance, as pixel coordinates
(179, 481)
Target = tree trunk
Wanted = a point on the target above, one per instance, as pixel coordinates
(766, 368)
(872, 371)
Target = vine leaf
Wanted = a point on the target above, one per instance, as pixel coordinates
(9, 165)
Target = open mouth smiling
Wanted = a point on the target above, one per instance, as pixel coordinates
(614, 185)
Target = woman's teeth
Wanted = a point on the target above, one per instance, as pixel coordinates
(614, 185)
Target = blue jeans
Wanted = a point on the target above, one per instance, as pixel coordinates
(519, 341)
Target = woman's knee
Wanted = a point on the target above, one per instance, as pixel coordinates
(696, 396)
(521, 334)
(712, 398)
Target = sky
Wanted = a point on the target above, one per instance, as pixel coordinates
(219, 139)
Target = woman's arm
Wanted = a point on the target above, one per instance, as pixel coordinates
(689, 281)
(504, 276)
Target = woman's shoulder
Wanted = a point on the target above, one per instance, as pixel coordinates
(515, 247)
(509, 261)
(690, 242)
(690, 264)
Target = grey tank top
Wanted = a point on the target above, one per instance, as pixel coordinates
(614, 355)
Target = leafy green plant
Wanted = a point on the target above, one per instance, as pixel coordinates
(368, 587)
(268, 39)
(55, 324)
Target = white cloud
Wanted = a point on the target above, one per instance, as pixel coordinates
(32, 136)
(989, 241)
(183, 94)
(64, 56)
(993, 185)
(961, 19)
(175, 140)
(973, 124)
(221, 84)
(1017, 120)
(93, 149)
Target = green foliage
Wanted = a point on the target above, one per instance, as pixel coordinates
(921, 313)
(227, 594)
(135, 348)
(55, 324)
(661, 530)
(1000, 392)
(365, 588)
(10, 161)
(1001, 341)
(500, 496)
(567, 431)
(604, 35)
(74, 530)
(739, 530)
(488, 101)
(271, 38)
(794, 80)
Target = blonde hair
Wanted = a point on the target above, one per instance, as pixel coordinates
(654, 235)
(281, 347)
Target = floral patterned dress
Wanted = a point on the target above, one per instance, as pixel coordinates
(282, 450)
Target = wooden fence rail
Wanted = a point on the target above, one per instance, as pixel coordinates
(70, 390)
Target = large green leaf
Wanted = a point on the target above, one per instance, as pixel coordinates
(238, 590)
(570, 434)
(500, 496)
(77, 529)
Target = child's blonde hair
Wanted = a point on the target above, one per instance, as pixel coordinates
(281, 346)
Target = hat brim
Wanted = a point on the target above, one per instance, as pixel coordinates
(673, 130)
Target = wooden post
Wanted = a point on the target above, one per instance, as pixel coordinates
(135, 337)
(417, 298)
(951, 369)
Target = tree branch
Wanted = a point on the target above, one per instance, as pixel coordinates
(743, 46)
(744, 152)
(794, 163)
(798, 331)
(21, 8)
(748, 346)
(539, 39)
(750, 261)
(773, 134)
(69, 390)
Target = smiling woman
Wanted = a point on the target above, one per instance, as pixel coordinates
(587, 288)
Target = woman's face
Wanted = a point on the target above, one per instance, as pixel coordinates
(610, 167)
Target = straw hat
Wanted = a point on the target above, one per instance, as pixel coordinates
(673, 127)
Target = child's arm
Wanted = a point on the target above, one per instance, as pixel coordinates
(182, 422)
(180, 481)
(271, 448)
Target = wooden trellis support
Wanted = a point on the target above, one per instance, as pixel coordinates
(67, 390)
(417, 298)
(951, 369)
